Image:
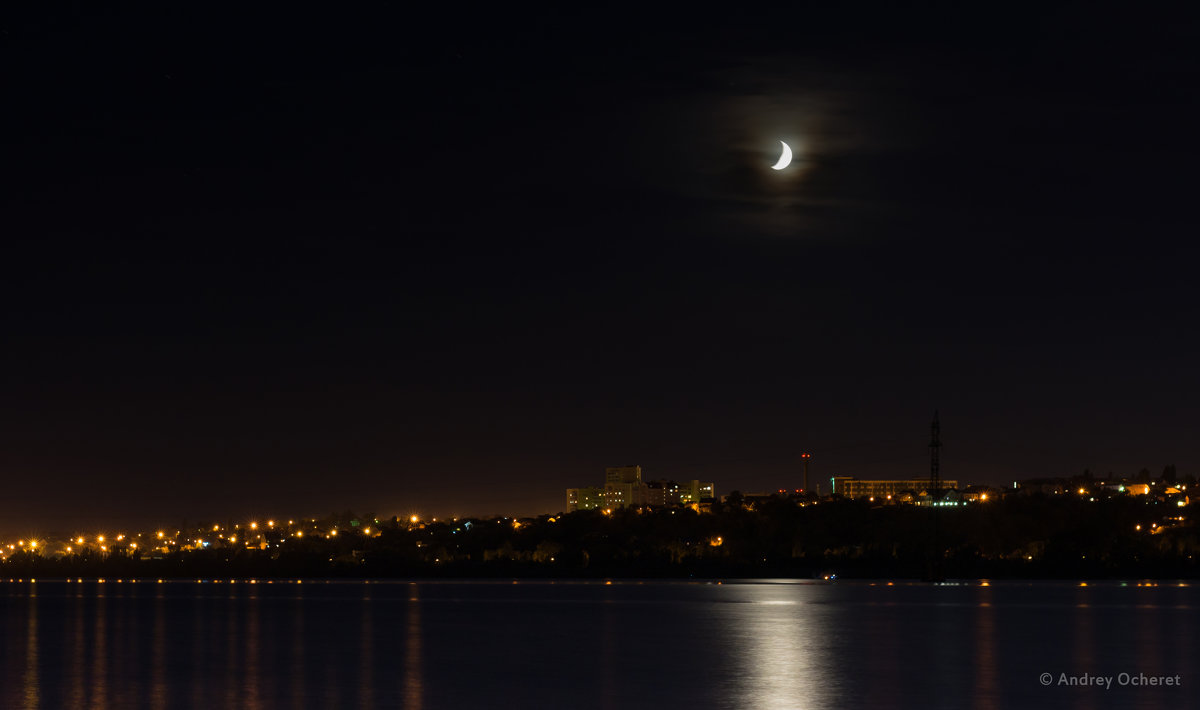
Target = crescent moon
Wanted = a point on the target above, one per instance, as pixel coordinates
(785, 158)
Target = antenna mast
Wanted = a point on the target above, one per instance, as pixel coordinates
(935, 473)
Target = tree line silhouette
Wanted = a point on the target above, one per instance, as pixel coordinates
(1034, 536)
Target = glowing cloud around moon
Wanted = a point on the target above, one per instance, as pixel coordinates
(785, 158)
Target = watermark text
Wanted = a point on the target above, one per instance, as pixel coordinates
(1108, 682)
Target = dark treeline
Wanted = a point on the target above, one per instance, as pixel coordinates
(1033, 536)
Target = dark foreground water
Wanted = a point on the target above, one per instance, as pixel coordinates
(596, 645)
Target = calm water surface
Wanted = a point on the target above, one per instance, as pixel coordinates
(593, 645)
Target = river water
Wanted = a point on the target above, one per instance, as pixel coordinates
(121, 644)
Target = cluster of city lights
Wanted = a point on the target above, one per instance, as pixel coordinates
(253, 534)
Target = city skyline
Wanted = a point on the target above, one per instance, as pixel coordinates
(1165, 496)
(625, 486)
(386, 262)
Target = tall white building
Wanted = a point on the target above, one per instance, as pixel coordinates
(623, 487)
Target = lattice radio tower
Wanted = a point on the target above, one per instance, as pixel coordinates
(935, 474)
(933, 572)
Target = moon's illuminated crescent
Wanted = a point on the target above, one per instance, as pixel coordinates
(785, 158)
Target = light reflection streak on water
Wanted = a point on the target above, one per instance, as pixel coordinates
(1182, 648)
(76, 696)
(414, 690)
(198, 635)
(99, 680)
(297, 669)
(732, 645)
(120, 645)
(366, 680)
(987, 689)
(32, 689)
(253, 650)
(1150, 635)
(781, 648)
(158, 652)
(878, 638)
(232, 691)
(609, 659)
(1083, 643)
(948, 648)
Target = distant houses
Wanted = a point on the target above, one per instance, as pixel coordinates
(626, 487)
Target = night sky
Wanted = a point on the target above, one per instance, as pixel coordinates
(280, 263)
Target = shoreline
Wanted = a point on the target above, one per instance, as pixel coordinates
(622, 581)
